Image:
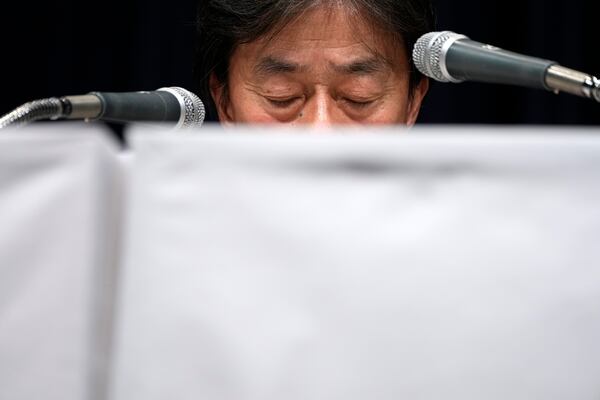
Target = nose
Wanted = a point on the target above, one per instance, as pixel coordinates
(318, 110)
(323, 117)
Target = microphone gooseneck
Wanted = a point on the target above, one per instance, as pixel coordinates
(33, 111)
(173, 104)
(451, 57)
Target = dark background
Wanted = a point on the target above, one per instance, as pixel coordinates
(74, 47)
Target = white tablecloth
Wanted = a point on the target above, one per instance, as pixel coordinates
(457, 264)
(59, 212)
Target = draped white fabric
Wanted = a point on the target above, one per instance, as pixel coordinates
(427, 266)
(440, 263)
(57, 228)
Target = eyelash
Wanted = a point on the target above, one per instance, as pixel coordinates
(359, 104)
(283, 103)
(288, 102)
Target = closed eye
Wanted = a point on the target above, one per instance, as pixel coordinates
(283, 103)
(359, 103)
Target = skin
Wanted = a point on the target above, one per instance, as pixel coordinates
(326, 67)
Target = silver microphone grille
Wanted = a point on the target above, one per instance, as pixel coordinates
(193, 111)
(429, 54)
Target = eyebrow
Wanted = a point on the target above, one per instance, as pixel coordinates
(365, 66)
(272, 66)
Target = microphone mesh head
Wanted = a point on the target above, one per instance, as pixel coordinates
(429, 57)
(193, 111)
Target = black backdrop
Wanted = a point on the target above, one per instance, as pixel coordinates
(74, 46)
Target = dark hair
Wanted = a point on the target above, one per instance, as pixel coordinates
(225, 24)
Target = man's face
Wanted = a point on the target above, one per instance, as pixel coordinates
(324, 68)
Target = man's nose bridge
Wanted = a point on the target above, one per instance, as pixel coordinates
(321, 108)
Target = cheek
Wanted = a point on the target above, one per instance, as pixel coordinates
(249, 110)
(393, 110)
(257, 116)
(245, 106)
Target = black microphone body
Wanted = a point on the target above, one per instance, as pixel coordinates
(136, 106)
(467, 60)
(451, 57)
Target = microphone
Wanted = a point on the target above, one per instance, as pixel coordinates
(172, 104)
(451, 57)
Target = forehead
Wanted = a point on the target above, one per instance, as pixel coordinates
(335, 34)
